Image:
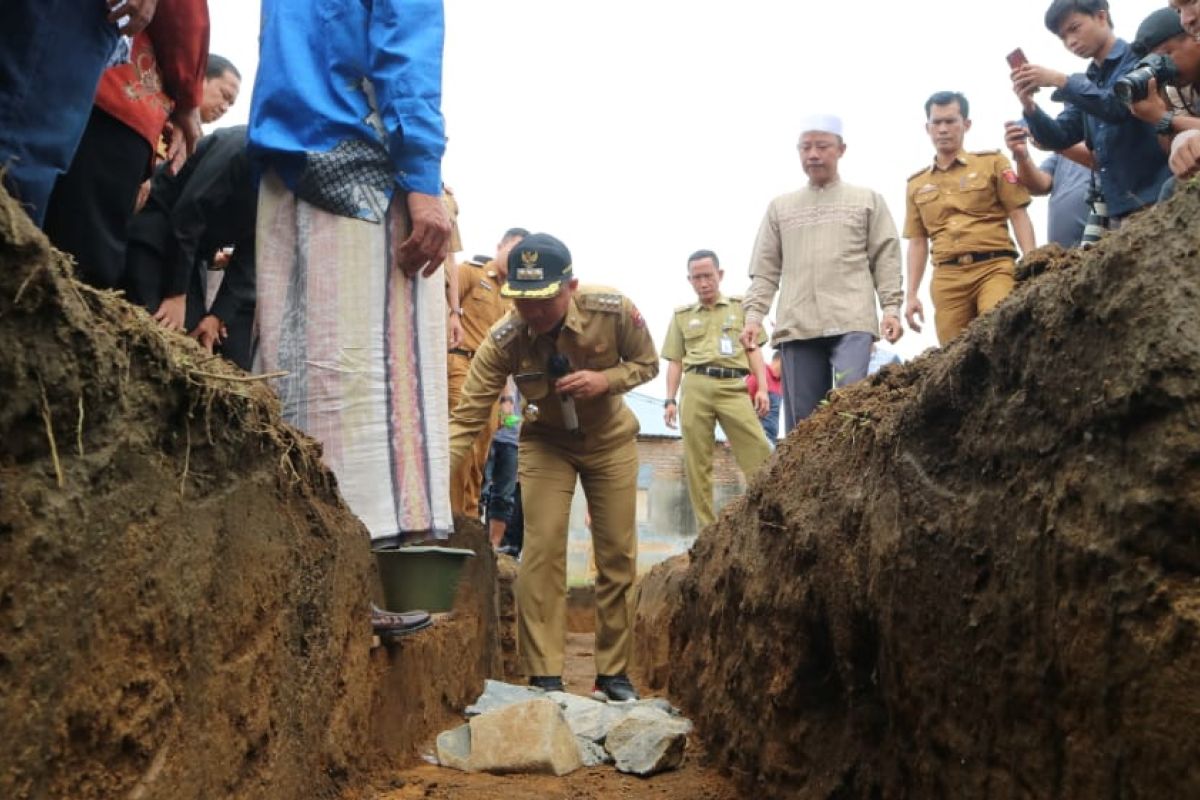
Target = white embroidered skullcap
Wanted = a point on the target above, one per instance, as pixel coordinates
(824, 123)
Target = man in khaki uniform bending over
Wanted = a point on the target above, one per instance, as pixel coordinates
(962, 203)
(572, 352)
(703, 348)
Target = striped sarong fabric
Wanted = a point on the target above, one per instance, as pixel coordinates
(364, 349)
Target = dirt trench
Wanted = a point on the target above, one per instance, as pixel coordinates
(977, 575)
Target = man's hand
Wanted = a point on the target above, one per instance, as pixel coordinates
(209, 333)
(142, 196)
(762, 402)
(583, 385)
(891, 329)
(1017, 139)
(1185, 155)
(1028, 78)
(671, 415)
(140, 12)
(750, 336)
(1152, 107)
(170, 312)
(425, 248)
(455, 329)
(185, 133)
(913, 310)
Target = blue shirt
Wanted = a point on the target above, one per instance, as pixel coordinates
(348, 95)
(1068, 210)
(1129, 160)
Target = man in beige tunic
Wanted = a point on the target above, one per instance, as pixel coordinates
(830, 250)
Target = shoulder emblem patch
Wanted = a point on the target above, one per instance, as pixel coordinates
(1009, 176)
(609, 302)
(505, 330)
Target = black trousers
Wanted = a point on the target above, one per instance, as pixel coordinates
(92, 202)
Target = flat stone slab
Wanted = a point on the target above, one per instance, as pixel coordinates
(530, 737)
(497, 694)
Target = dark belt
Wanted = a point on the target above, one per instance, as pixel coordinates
(458, 351)
(967, 259)
(718, 372)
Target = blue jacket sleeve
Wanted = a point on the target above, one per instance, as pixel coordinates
(1092, 99)
(1056, 134)
(406, 70)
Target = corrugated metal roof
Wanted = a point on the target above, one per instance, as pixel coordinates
(649, 412)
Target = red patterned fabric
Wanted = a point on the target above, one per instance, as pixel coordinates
(166, 70)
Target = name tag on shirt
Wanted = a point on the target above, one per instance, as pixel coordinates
(726, 346)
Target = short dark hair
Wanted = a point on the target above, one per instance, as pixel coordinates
(514, 232)
(945, 99)
(1061, 9)
(219, 65)
(699, 254)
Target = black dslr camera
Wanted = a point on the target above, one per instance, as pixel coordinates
(1133, 87)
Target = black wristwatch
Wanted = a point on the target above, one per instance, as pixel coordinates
(1163, 126)
(670, 401)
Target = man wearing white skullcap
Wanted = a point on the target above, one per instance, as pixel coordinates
(830, 250)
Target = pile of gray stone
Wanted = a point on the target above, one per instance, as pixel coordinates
(522, 729)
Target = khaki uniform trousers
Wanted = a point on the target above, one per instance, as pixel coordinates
(466, 483)
(960, 294)
(706, 401)
(548, 468)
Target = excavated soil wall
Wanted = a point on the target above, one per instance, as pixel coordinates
(977, 575)
(183, 595)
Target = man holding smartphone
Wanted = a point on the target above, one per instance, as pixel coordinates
(1129, 161)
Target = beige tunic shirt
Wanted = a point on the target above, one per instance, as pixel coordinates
(829, 252)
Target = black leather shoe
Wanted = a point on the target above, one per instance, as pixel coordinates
(614, 689)
(547, 683)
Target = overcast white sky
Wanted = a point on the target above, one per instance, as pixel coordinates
(640, 131)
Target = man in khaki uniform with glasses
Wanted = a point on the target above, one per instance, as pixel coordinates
(963, 203)
(703, 350)
(572, 352)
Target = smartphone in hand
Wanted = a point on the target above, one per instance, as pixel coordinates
(1017, 59)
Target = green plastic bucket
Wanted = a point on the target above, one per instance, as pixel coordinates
(420, 577)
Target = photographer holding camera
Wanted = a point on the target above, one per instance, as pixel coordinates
(1130, 164)
(1171, 58)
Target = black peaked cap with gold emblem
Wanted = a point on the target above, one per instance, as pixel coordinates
(537, 268)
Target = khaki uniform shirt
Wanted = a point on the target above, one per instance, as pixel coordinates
(964, 209)
(602, 331)
(702, 336)
(480, 300)
(830, 252)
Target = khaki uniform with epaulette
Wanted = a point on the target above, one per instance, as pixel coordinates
(964, 211)
(564, 440)
(479, 283)
(715, 365)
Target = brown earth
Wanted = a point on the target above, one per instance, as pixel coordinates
(978, 575)
(183, 595)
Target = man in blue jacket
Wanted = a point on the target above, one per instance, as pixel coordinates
(1130, 163)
